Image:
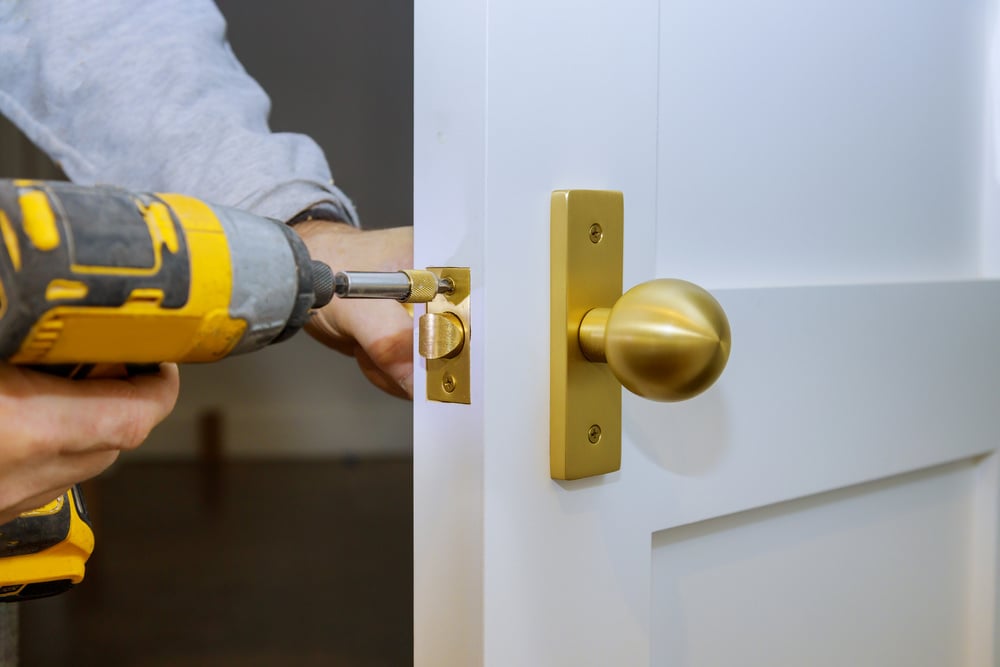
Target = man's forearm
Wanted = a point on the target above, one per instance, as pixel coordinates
(148, 95)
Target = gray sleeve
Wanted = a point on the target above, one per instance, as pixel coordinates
(149, 96)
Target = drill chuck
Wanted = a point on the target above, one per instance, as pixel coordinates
(408, 286)
(322, 283)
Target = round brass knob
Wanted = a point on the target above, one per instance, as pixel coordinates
(666, 340)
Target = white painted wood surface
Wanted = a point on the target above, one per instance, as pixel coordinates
(825, 168)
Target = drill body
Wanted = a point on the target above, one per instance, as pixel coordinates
(101, 275)
(92, 275)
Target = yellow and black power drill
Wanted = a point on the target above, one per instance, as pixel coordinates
(97, 274)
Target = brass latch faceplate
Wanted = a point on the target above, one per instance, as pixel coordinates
(444, 335)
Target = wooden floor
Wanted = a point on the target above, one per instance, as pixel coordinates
(250, 564)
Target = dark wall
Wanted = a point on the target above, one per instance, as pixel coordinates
(20, 159)
(341, 72)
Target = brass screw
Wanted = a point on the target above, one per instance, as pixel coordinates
(596, 233)
(594, 434)
(448, 382)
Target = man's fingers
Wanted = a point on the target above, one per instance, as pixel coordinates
(380, 379)
(378, 334)
(145, 400)
(384, 332)
(82, 415)
(59, 431)
(34, 486)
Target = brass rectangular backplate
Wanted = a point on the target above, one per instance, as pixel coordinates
(449, 379)
(586, 272)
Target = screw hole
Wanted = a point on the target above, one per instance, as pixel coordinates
(596, 233)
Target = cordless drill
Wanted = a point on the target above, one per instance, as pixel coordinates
(98, 274)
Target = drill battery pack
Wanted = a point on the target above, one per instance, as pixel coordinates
(45, 551)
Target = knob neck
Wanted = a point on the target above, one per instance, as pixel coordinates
(592, 334)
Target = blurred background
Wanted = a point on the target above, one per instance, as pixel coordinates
(268, 521)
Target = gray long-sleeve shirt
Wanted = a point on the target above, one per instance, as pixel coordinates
(148, 95)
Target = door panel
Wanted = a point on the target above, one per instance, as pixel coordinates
(882, 568)
(821, 142)
(826, 387)
(821, 166)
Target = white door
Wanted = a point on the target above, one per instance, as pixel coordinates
(827, 169)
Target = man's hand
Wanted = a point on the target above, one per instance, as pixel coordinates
(379, 334)
(56, 432)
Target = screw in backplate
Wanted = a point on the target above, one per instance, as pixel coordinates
(596, 233)
(448, 382)
(594, 434)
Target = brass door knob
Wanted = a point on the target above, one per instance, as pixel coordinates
(666, 340)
